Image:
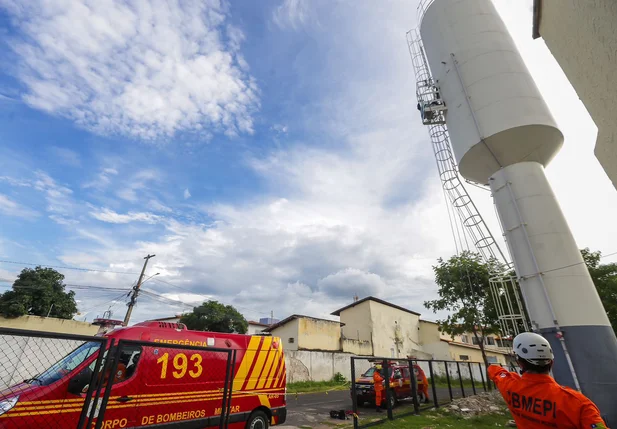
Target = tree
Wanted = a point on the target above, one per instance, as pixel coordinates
(39, 292)
(464, 292)
(215, 317)
(604, 277)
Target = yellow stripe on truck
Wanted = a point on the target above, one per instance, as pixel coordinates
(259, 365)
(247, 361)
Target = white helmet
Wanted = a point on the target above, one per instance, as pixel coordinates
(534, 348)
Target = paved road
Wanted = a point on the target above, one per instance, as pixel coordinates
(314, 408)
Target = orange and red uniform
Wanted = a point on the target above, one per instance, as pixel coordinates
(378, 383)
(537, 401)
(422, 381)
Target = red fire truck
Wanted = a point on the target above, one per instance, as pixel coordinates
(156, 382)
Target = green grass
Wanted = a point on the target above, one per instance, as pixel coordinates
(441, 419)
(315, 386)
(441, 381)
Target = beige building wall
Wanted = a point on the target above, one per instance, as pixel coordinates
(288, 334)
(360, 348)
(581, 36)
(358, 324)
(458, 353)
(396, 332)
(316, 334)
(49, 324)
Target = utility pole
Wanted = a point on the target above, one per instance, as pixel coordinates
(131, 304)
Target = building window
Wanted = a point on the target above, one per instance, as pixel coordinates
(475, 341)
(290, 340)
(464, 357)
(465, 339)
(490, 341)
(491, 359)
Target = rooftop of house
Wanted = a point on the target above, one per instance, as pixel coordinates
(252, 322)
(297, 316)
(372, 298)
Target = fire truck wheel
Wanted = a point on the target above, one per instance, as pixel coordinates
(393, 401)
(257, 420)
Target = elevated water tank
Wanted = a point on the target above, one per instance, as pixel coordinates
(496, 115)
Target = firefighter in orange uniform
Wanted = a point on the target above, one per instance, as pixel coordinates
(422, 381)
(378, 384)
(535, 399)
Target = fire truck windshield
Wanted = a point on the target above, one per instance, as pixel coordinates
(67, 364)
(369, 373)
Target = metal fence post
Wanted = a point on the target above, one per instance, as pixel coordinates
(227, 390)
(473, 384)
(482, 375)
(460, 377)
(388, 390)
(95, 382)
(414, 389)
(448, 379)
(354, 396)
(430, 370)
(110, 382)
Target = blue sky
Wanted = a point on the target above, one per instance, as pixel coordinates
(268, 153)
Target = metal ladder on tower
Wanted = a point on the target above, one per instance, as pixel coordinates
(504, 287)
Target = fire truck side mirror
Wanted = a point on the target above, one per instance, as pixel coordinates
(80, 381)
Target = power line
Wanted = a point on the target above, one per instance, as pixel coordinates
(67, 268)
(68, 285)
(206, 296)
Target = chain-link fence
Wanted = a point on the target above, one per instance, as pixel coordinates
(47, 379)
(385, 388)
(76, 382)
(158, 383)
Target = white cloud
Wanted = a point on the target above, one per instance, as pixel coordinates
(157, 206)
(279, 128)
(135, 68)
(66, 156)
(58, 197)
(292, 14)
(110, 216)
(187, 194)
(349, 282)
(11, 208)
(102, 180)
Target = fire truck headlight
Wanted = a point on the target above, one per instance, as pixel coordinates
(7, 404)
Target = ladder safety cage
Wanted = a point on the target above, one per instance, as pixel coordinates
(503, 286)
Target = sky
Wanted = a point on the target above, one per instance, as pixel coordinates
(268, 153)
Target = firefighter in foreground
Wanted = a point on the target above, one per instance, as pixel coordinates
(535, 399)
(379, 386)
(422, 382)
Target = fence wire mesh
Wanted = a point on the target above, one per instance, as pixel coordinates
(156, 383)
(409, 386)
(76, 382)
(38, 374)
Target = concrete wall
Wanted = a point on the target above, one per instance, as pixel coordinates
(286, 332)
(358, 323)
(581, 36)
(318, 335)
(360, 348)
(396, 332)
(303, 365)
(474, 354)
(49, 324)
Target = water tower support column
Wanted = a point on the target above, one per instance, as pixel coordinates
(560, 294)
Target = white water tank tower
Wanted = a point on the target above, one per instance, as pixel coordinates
(503, 135)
